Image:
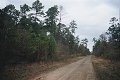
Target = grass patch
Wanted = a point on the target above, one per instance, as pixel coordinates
(106, 70)
(28, 71)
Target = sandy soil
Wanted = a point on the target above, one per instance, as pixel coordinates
(80, 70)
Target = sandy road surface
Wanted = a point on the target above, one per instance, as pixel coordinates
(80, 70)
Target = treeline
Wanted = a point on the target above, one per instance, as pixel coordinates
(108, 45)
(30, 34)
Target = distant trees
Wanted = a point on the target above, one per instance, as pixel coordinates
(72, 26)
(24, 33)
(100, 47)
(109, 46)
(114, 32)
(38, 8)
(83, 47)
(24, 9)
(114, 37)
(84, 42)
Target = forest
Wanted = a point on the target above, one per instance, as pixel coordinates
(32, 34)
(107, 51)
(108, 44)
(34, 40)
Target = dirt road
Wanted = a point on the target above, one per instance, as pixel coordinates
(80, 70)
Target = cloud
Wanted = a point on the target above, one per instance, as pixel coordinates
(92, 16)
(115, 3)
(3, 3)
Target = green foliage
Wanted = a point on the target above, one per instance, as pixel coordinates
(100, 48)
(114, 32)
(52, 47)
(37, 6)
(109, 48)
(24, 38)
(51, 19)
(83, 50)
(24, 9)
(84, 42)
(72, 26)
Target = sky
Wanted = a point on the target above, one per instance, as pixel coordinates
(92, 16)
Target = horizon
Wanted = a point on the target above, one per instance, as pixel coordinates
(92, 17)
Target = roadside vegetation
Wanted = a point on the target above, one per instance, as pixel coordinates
(107, 52)
(32, 70)
(31, 34)
(105, 69)
(108, 44)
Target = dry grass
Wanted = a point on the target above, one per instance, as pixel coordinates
(27, 71)
(106, 70)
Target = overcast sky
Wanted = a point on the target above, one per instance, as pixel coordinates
(92, 16)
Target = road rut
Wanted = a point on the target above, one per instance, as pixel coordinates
(80, 70)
